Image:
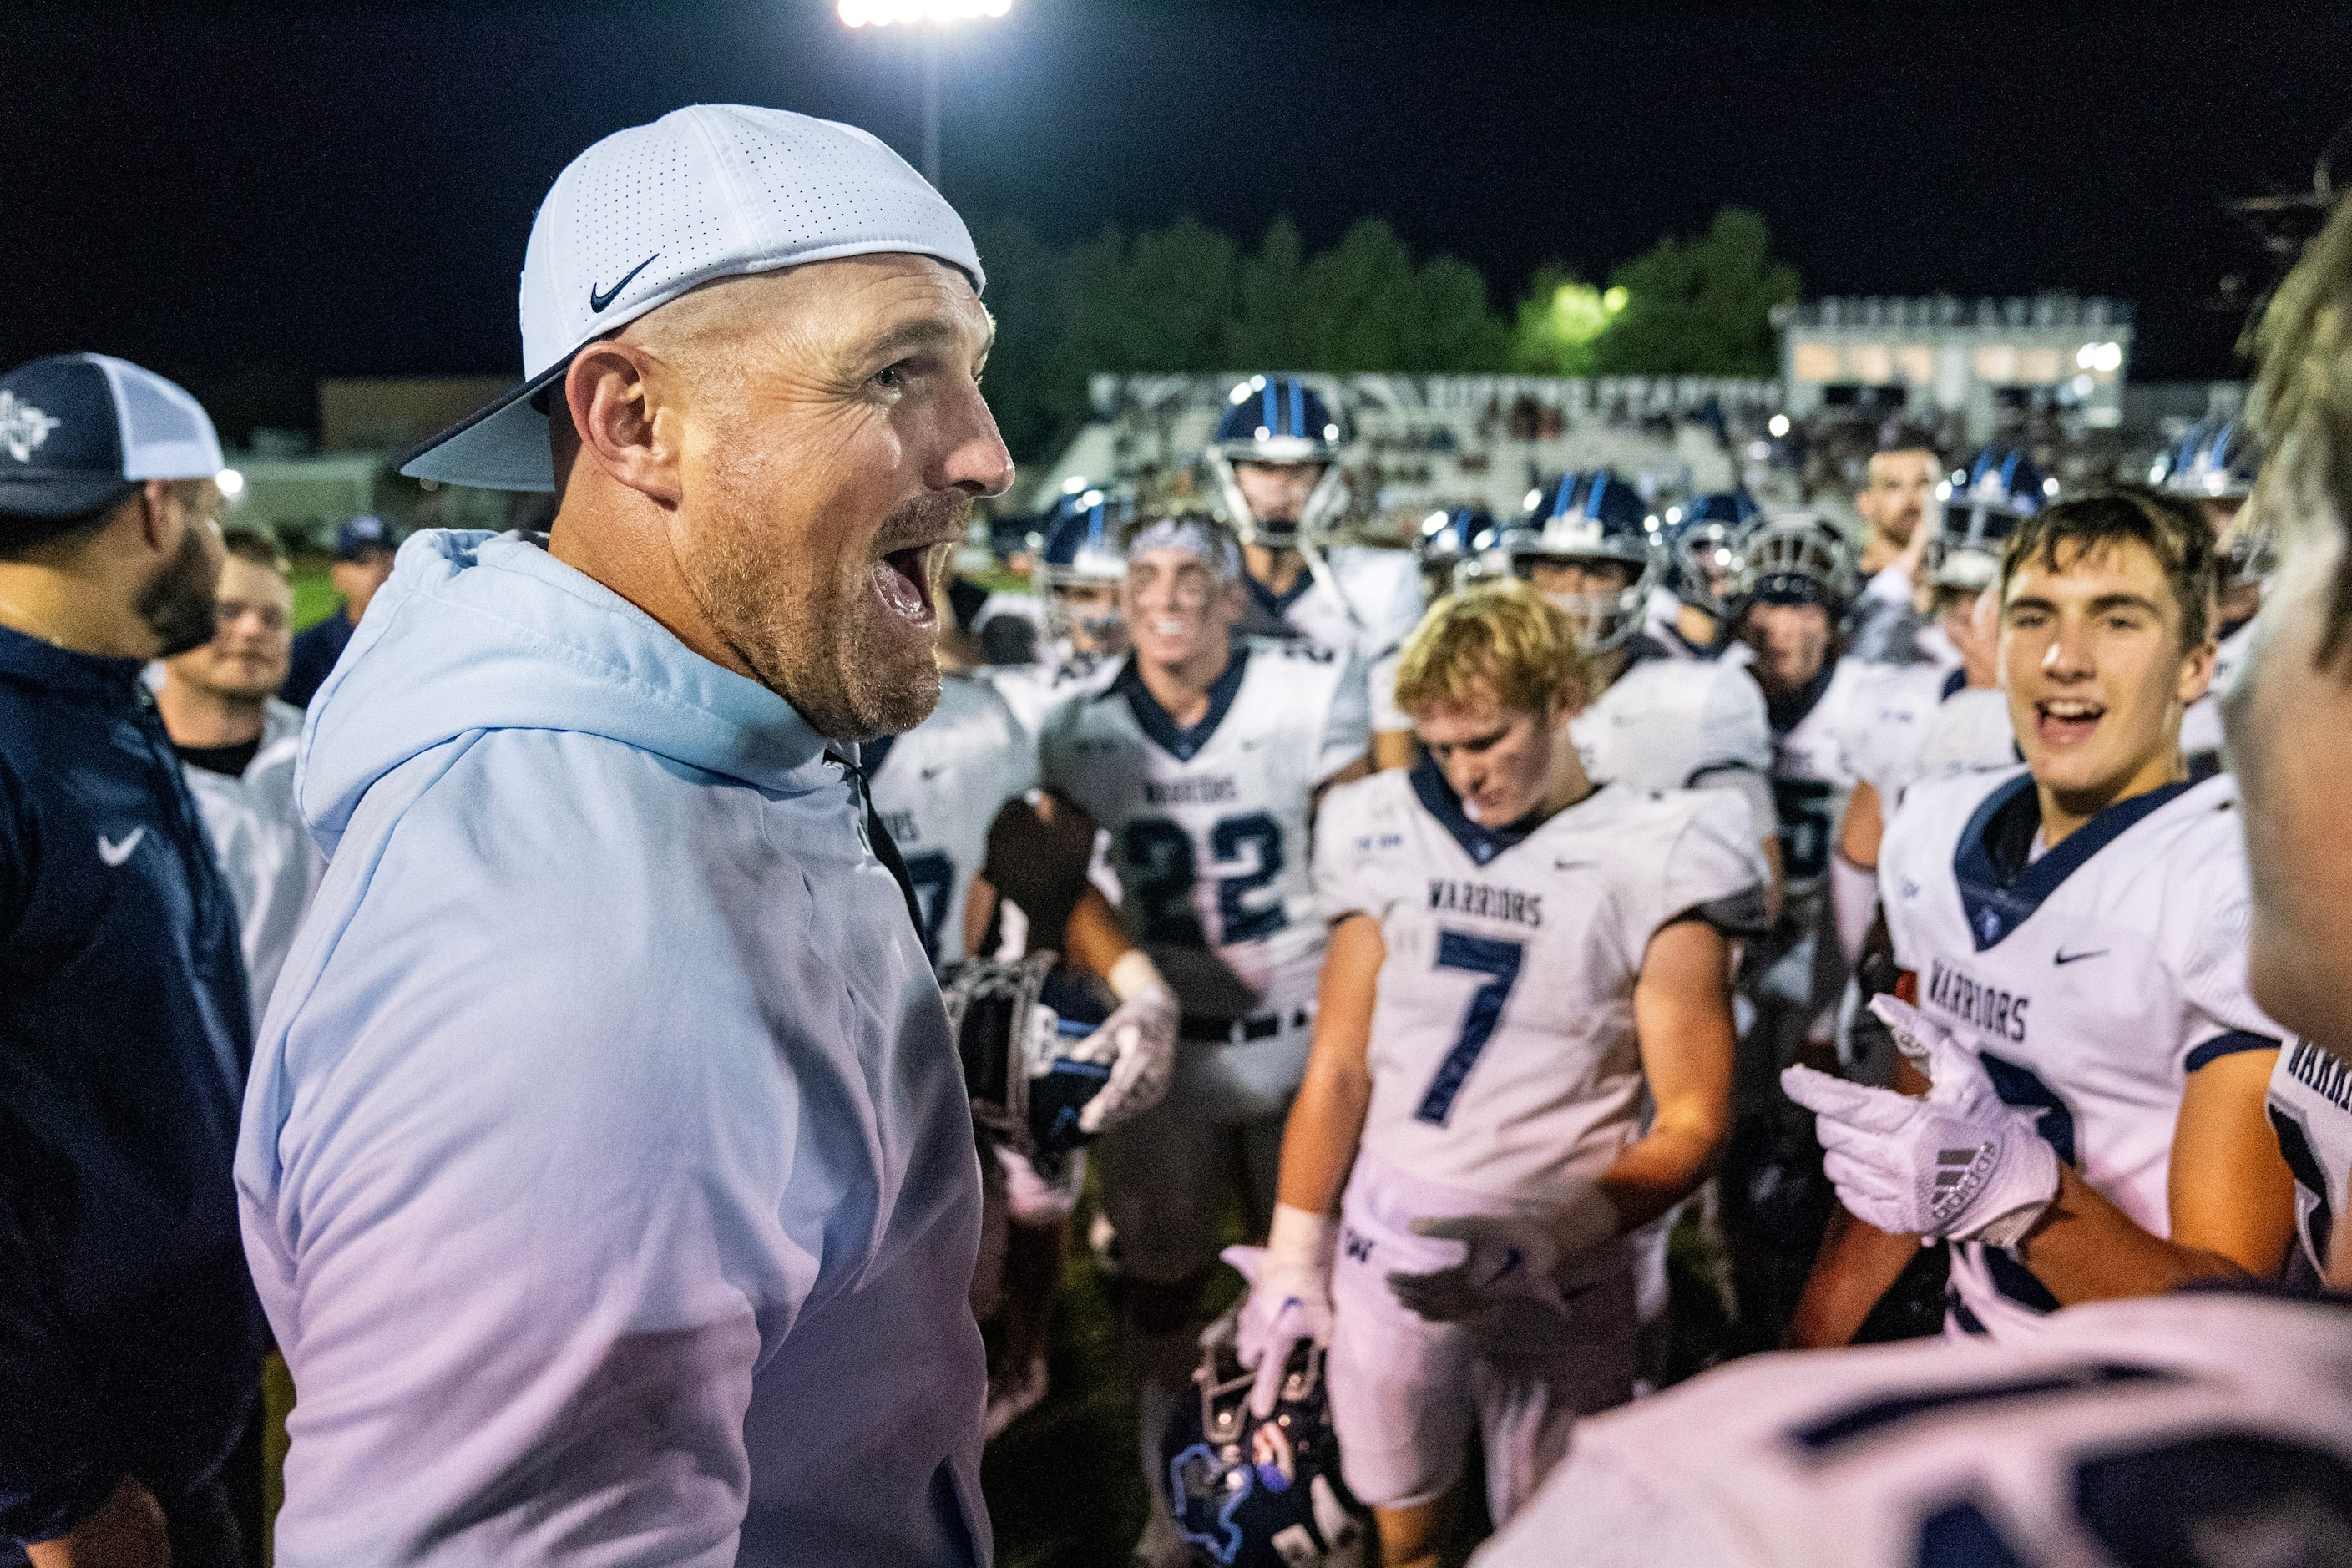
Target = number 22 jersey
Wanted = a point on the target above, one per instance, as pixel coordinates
(1209, 825)
(2090, 982)
(1503, 1051)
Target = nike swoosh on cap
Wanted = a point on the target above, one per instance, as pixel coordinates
(597, 302)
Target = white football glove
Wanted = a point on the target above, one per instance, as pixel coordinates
(1504, 1255)
(1958, 1165)
(1139, 1041)
(1289, 1298)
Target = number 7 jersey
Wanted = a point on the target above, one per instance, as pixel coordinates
(1209, 825)
(1503, 1053)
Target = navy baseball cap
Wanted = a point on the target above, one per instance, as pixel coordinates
(79, 432)
(364, 534)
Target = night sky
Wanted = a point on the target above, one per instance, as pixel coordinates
(258, 195)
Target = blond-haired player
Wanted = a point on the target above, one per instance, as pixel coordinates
(1522, 1052)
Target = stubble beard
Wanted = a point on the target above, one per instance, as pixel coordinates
(824, 646)
(178, 605)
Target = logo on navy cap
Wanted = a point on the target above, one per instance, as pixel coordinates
(23, 427)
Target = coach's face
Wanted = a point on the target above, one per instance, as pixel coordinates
(818, 439)
(2290, 727)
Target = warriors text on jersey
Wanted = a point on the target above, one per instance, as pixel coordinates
(2311, 1111)
(1503, 1053)
(2206, 1428)
(2090, 982)
(938, 787)
(1209, 825)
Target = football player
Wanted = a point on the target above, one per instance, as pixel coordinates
(2208, 1426)
(2213, 467)
(1522, 1054)
(1080, 569)
(1276, 458)
(1202, 757)
(951, 794)
(1793, 592)
(2073, 934)
(1687, 616)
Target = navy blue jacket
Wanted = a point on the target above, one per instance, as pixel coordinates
(130, 1337)
(316, 648)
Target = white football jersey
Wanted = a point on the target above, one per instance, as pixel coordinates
(1209, 825)
(1810, 775)
(1969, 731)
(2200, 726)
(1503, 1053)
(1664, 721)
(2209, 1428)
(1382, 603)
(1034, 690)
(938, 787)
(2090, 982)
(2311, 1111)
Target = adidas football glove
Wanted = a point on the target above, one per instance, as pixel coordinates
(1504, 1255)
(1958, 1165)
(1289, 1299)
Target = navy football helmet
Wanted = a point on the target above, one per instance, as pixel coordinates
(1014, 1042)
(1282, 420)
(1585, 518)
(1703, 548)
(1083, 556)
(2215, 460)
(1448, 538)
(1251, 1493)
(1795, 558)
(1982, 508)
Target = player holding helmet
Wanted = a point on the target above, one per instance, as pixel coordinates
(1275, 458)
(1202, 757)
(1523, 1056)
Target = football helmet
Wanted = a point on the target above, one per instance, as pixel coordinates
(1082, 557)
(1702, 548)
(2214, 460)
(1795, 558)
(1280, 419)
(1981, 509)
(1448, 538)
(1014, 1045)
(1251, 1493)
(1594, 517)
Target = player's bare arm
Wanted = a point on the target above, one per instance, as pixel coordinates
(2232, 1201)
(1319, 1142)
(1682, 1013)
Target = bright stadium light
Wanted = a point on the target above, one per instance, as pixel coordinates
(884, 12)
(1778, 424)
(231, 483)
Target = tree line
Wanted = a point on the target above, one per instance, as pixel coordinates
(1188, 298)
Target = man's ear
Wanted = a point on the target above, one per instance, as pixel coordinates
(160, 516)
(612, 392)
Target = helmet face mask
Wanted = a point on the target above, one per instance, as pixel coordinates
(1702, 552)
(1799, 559)
(1279, 421)
(1251, 1493)
(1597, 526)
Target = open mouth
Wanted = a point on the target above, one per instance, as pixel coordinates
(2067, 720)
(1168, 625)
(904, 579)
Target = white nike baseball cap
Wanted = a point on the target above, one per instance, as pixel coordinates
(714, 191)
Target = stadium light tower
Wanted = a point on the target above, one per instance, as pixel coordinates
(930, 16)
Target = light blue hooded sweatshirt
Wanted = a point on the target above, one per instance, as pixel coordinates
(606, 1171)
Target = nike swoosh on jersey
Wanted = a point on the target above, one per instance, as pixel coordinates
(115, 854)
(596, 302)
(2063, 956)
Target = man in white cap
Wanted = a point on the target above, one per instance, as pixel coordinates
(608, 1174)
